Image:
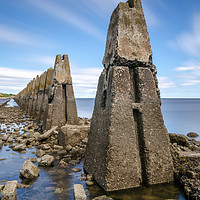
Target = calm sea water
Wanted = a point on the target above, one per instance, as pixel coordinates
(180, 115)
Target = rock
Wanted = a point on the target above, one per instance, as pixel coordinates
(79, 193)
(46, 161)
(47, 134)
(89, 183)
(45, 147)
(179, 139)
(40, 153)
(1, 143)
(192, 135)
(29, 170)
(33, 159)
(1, 188)
(62, 163)
(19, 147)
(76, 169)
(69, 148)
(104, 197)
(3, 137)
(89, 177)
(9, 191)
(74, 162)
(57, 147)
(72, 135)
(58, 190)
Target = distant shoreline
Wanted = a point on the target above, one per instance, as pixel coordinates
(7, 97)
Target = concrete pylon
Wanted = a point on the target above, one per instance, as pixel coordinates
(62, 106)
(128, 143)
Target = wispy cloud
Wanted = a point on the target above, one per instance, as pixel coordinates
(66, 15)
(85, 81)
(45, 60)
(165, 83)
(13, 36)
(14, 80)
(189, 41)
(189, 75)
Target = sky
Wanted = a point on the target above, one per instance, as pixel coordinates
(33, 32)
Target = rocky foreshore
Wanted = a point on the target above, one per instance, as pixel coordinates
(20, 132)
(66, 146)
(186, 158)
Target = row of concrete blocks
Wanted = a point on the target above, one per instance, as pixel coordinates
(50, 97)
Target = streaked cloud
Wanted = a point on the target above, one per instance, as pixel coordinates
(189, 41)
(165, 83)
(14, 80)
(45, 60)
(66, 15)
(13, 36)
(85, 81)
(189, 75)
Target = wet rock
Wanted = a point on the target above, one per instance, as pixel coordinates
(58, 190)
(79, 193)
(1, 188)
(46, 161)
(89, 177)
(89, 183)
(76, 169)
(19, 147)
(179, 139)
(69, 148)
(104, 197)
(29, 170)
(45, 147)
(47, 134)
(33, 159)
(74, 162)
(192, 135)
(1, 143)
(40, 153)
(62, 163)
(57, 147)
(3, 137)
(9, 191)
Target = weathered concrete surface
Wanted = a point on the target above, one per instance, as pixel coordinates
(127, 38)
(128, 143)
(10, 191)
(72, 134)
(79, 193)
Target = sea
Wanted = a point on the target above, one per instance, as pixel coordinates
(180, 115)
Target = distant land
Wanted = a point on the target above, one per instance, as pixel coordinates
(4, 95)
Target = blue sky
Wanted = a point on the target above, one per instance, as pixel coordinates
(32, 32)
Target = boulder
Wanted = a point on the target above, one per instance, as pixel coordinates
(29, 170)
(1, 143)
(192, 135)
(9, 191)
(179, 139)
(40, 153)
(79, 193)
(47, 134)
(46, 161)
(19, 147)
(72, 134)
